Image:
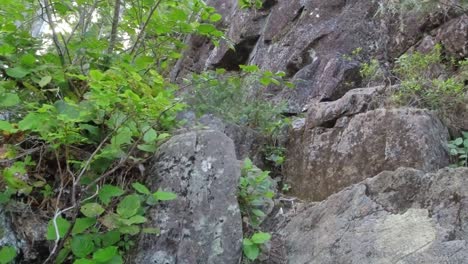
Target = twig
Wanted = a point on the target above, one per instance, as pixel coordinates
(142, 31)
(51, 23)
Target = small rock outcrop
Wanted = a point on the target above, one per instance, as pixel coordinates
(203, 225)
(7, 235)
(333, 150)
(405, 216)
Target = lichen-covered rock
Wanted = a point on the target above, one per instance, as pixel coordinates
(405, 216)
(329, 156)
(203, 225)
(248, 143)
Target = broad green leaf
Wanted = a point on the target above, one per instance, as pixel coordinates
(81, 224)
(258, 213)
(92, 209)
(110, 238)
(62, 255)
(458, 141)
(141, 188)
(44, 81)
(137, 219)
(17, 72)
(96, 75)
(251, 251)
(147, 147)
(105, 254)
(261, 238)
(110, 220)
(7, 127)
(249, 68)
(28, 60)
(62, 226)
(150, 136)
(123, 136)
(129, 206)
(33, 121)
(68, 110)
(9, 99)
(178, 15)
(131, 230)
(7, 254)
(164, 196)
(215, 17)
(206, 28)
(107, 192)
(82, 245)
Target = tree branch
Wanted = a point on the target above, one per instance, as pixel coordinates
(113, 36)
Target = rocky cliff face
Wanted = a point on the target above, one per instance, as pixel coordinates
(369, 180)
(349, 132)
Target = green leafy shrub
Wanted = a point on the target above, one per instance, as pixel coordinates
(256, 190)
(238, 98)
(275, 154)
(106, 225)
(252, 246)
(459, 149)
(371, 71)
(423, 85)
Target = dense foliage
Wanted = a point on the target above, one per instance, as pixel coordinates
(84, 100)
(239, 98)
(424, 81)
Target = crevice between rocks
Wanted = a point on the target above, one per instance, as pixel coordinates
(232, 60)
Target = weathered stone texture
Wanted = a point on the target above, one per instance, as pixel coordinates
(329, 156)
(203, 225)
(405, 216)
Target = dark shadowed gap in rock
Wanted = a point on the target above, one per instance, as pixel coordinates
(329, 124)
(304, 58)
(298, 14)
(351, 79)
(268, 4)
(240, 55)
(326, 99)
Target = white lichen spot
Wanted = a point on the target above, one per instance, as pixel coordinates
(216, 248)
(207, 164)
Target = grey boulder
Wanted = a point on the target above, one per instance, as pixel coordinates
(406, 216)
(203, 225)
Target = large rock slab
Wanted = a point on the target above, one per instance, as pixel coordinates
(405, 216)
(332, 151)
(203, 225)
